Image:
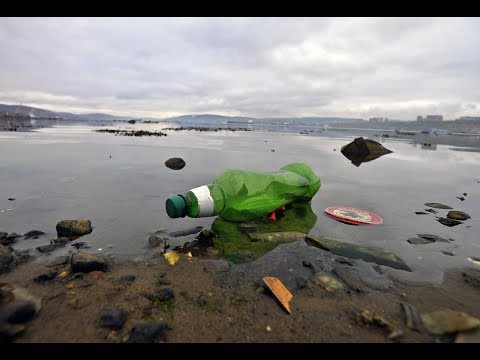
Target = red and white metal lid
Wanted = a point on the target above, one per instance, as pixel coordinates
(353, 216)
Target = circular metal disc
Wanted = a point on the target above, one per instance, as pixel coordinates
(353, 216)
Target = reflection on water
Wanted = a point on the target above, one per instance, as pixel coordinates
(239, 245)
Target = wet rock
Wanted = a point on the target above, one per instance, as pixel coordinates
(191, 231)
(438, 205)
(175, 163)
(432, 237)
(330, 284)
(113, 319)
(420, 241)
(420, 213)
(472, 277)
(363, 150)
(248, 227)
(18, 306)
(126, 279)
(8, 239)
(344, 261)
(155, 241)
(308, 264)
(61, 240)
(81, 245)
(6, 258)
(48, 248)
(350, 277)
(59, 260)
(300, 282)
(447, 253)
(432, 211)
(461, 198)
(448, 321)
(164, 294)
(147, 333)
(368, 318)
(458, 215)
(379, 269)
(448, 222)
(70, 228)
(11, 199)
(83, 262)
(21, 257)
(33, 234)
(366, 253)
(276, 237)
(412, 318)
(205, 238)
(43, 278)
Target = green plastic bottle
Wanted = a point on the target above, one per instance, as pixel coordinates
(240, 195)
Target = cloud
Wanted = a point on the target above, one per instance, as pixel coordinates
(158, 67)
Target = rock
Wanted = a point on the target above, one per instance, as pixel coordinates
(276, 237)
(147, 333)
(447, 253)
(93, 276)
(432, 211)
(33, 234)
(379, 269)
(366, 253)
(363, 150)
(472, 277)
(329, 283)
(448, 222)
(164, 294)
(11, 199)
(300, 282)
(344, 261)
(113, 319)
(420, 213)
(21, 257)
(419, 241)
(394, 335)
(61, 240)
(411, 316)
(42, 279)
(175, 163)
(350, 277)
(191, 231)
(308, 264)
(18, 305)
(458, 215)
(6, 258)
(154, 241)
(448, 321)
(461, 198)
(248, 227)
(432, 237)
(59, 260)
(83, 262)
(48, 248)
(126, 279)
(205, 238)
(131, 121)
(368, 318)
(438, 206)
(70, 228)
(81, 245)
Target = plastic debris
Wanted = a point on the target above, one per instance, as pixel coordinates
(172, 257)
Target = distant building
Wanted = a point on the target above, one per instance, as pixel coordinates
(419, 118)
(377, 120)
(434, 118)
(469, 118)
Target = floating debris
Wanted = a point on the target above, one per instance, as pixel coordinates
(172, 257)
(361, 150)
(438, 205)
(280, 291)
(448, 321)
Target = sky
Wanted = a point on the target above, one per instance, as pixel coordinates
(260, 67)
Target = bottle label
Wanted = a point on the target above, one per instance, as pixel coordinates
(206, 206)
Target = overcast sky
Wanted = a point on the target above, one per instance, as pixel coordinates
(261, 67)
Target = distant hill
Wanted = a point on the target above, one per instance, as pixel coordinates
(211, 118)
(32, 112)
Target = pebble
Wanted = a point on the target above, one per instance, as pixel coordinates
(147, 333)
(113, 319)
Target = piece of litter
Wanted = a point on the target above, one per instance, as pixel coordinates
(280, 291)
(171, 257)
(269, 328)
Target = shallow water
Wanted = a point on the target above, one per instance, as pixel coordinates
(65, 172)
